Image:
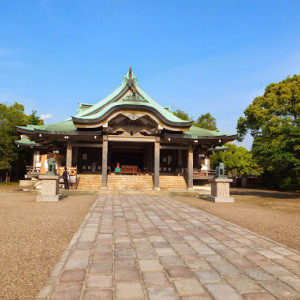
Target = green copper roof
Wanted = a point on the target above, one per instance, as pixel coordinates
(196, 131)
(64, 126)
(26, 142)
(116, 99)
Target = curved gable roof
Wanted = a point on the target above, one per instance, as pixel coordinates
(138, 100)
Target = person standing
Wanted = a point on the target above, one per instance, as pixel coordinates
(66, 178)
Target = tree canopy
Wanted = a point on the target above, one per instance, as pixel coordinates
(10, 117)
(273, 121)
(237, 161)
(206, 121)
(181, 115)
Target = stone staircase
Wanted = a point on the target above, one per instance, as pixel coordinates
(89, 181)
(129, 182)
(169, 182)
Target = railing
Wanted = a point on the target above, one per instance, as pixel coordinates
(32, 170)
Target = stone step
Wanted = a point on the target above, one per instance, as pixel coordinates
(131, 182)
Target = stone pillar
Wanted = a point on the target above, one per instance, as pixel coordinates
(220, 190)
(156, 163)
(50, 188)
(69, 155)
(104, 161)
(190, 166)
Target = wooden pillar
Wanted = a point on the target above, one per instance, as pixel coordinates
(104, 161)
(36, 158)
(156, 163)
(197, 159)
(69, 155)
(190, 166)
(179, 161)
(75, 155)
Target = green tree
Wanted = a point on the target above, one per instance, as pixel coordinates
(237, 160)
(11, 157)
(10, 116)
(273, 121)
(206, 121)
(33, 119)
(181, 115)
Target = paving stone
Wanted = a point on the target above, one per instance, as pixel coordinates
(197, 264)
(126, 290)
(165, 252)
(244, 284)
(159, 293)
(196, 297)
(150, 265)
(103, 268)
(76, 264)
(155, 278)
(124, 253)
(78, 253)
(280, 290)
(99, 281)
(156, 239)
(146, 255)
(179, 272)
(189, 287)
(258, 296)
(84, 246)
(227, 270)
(72, 276)
(171, 261)
(125, 262)
(223, 292)
(98, 294)
(122, 246)
(128, 274)
(270, 254)
(259, 275)
(66, 292)
(293, 281)
(258, 259)
(205, 251)
(208, 276)
(275, 270)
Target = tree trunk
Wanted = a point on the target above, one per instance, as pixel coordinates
(7, 179)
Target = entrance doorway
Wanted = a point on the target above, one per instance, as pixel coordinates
(127, 156)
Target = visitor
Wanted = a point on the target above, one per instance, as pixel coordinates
(66, 178)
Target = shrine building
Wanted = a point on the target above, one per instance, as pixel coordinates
(126, 133)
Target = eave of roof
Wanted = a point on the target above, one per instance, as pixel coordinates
(26, 142)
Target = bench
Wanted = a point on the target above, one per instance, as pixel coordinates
(126, 169)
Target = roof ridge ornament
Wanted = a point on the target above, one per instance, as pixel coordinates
(130, 72)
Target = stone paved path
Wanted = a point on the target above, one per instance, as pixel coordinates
(153, 247)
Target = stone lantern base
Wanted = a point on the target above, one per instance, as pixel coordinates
(50, 188)
(220, 190)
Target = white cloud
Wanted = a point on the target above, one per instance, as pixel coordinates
(46, 117)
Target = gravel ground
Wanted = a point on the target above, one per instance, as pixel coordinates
(33, 236)
(275, 215)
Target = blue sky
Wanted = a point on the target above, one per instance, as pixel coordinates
(198, 56)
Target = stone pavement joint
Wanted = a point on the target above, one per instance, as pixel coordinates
(154, 247)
